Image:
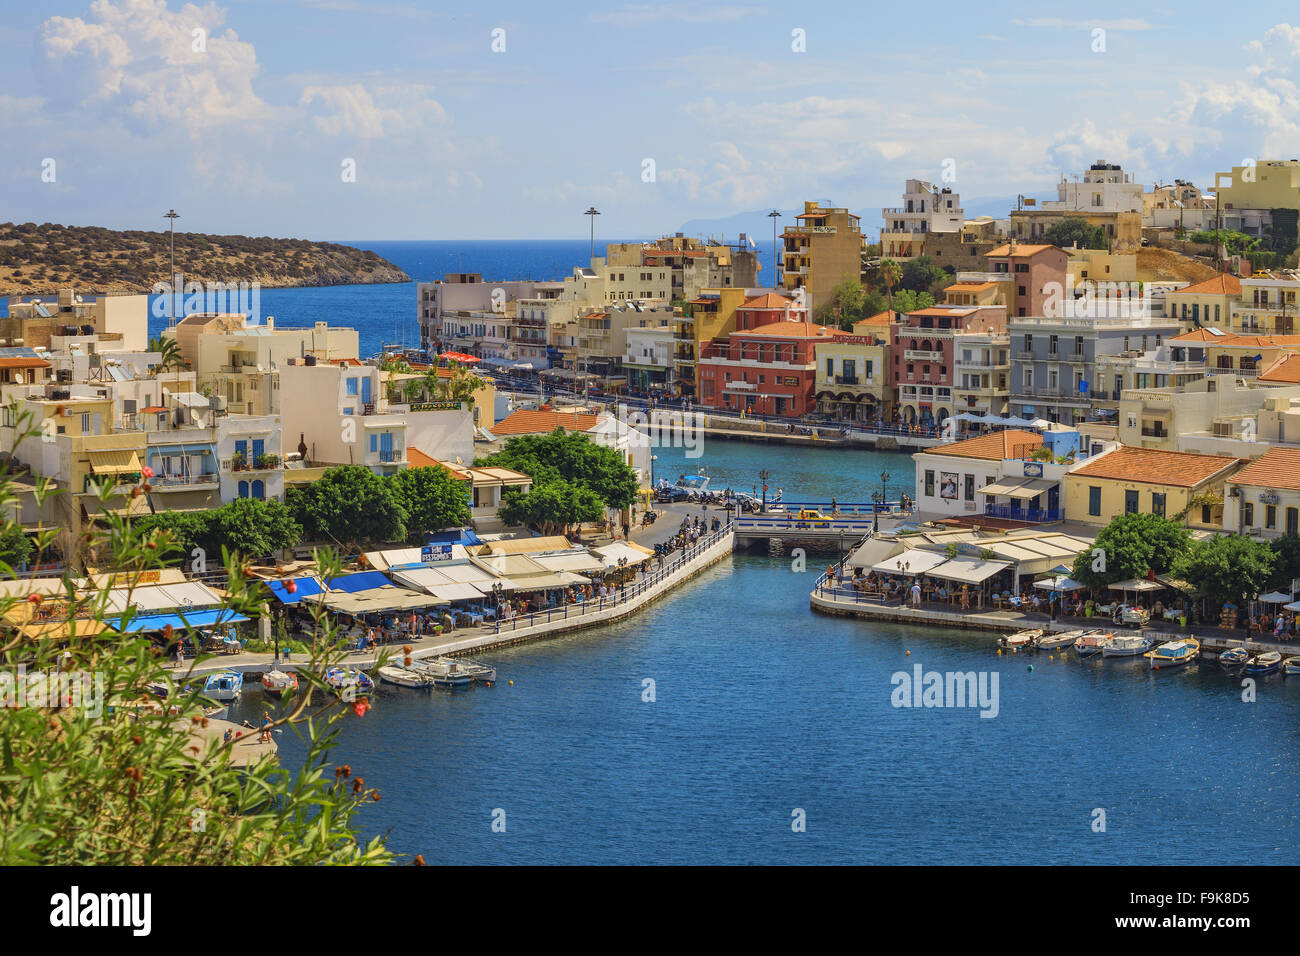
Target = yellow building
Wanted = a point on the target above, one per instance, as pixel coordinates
(1209, 303)
(1123, 229)
(1102, 265)
(823, 250)
(852, 383)
(702, 320)
(1269, 184)
(1130, 480)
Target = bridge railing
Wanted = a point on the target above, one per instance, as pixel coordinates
(850, 526)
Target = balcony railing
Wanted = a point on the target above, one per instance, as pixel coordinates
(1031, 515)
(200, 480)
(922, 355)
(846, 380)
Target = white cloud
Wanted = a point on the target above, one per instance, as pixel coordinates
(135, 62)
(352, 109)
(632, 15)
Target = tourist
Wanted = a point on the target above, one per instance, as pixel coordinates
(916, 594)
(266, 727)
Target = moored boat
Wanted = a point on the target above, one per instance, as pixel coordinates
(277, 683)
(1126, 645)
(1270, 662)
(446, 672)
(405, 677)
(340, 678)
(1091, 643)
(1021, 638)
(1233, 657)
(1291, 666)
(224, 685)
(1063, 639)
(1173, 653)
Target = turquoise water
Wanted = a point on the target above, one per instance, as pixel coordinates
(763, 708)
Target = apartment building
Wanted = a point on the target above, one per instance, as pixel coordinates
(33, 319)
(926, 211)
(923, 350)
(852, 383)
(821, 251)
(768, 370)
(466, 292)
(691, 266)
(339, 411)
(1247, 195)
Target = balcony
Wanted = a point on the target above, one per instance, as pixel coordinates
(846, 380)
(1024, 355)
(922, 355)
(206, 479)
(389, 457)
(1155, 432)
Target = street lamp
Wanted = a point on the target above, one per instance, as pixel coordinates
(763, 475)
(884, 496)
(593, 213)
(776, 277)
(172, 215)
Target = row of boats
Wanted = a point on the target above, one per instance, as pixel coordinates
(1183, 650)
(438, 672)
(226, 686)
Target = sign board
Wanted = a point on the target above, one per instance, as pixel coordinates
(435, 407)
(436, 551)
(1033, 469)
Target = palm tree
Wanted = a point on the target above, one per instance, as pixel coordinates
(460, 386)
(169, 352)
(891, 273)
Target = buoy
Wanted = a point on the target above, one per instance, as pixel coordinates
(999, 652)
(512, 683)
(1031, 667)
(909, 653)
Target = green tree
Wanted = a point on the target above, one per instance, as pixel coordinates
(905, 300)
(921, 274)
(252, 527)
(1074, 229)
(350, 506)
(16, 546)
(1286, 562)
(433, 500)
(551, 508)
(1228, 568)
(101, 777)
(1130, 545)
(845, 304)
(169, 352)
(891, 273)
(179, 532)
(570, 457)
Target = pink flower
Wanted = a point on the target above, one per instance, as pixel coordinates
(147, 471)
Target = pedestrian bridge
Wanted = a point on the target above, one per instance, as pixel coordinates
(842, 526)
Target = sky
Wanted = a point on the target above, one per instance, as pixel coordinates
(360, 120)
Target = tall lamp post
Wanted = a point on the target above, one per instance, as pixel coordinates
(884, 496)
(592, 212)
(172, 215)
(763, 475)
(776, 275)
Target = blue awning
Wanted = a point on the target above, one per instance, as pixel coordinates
(194, 619)
(303, 587)
(361, 581)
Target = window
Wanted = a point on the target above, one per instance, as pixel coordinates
(1205, 514)
(970, 487)
(1130, 502)
(1248, 515)
(929, 483)
(374, 442)
(352, 386)
(243, 489)
(830, 367)
(1157, 504)
(1094, 500)
(258, 489)
(1270, 516)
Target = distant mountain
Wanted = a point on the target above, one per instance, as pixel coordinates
(49, 257)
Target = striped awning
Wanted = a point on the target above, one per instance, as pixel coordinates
(114, 461)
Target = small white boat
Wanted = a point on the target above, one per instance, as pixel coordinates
(224, 685)
(1234, 657)
(1270, 662)
(1051, 642)
(1173, 653)
(1126, 645)
(405, 677)
(455, 673)
(1291, 667)
(1091, 643)
(1021, 638)
(277, 683)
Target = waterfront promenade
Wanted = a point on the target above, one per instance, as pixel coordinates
(650, 584)
(827, 598)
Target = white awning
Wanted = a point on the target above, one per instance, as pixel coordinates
(916, 561)
(610, 553)
(579, 560)
(1032, 488)
(1004, 487)
(968, 570)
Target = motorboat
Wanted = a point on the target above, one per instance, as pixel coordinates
(453, 673)
(277, 683)
(1270, 662)
(341, 678)
(1021, 639)
(1062, 639)
(1091, 643)
(1291, 667)
(1126, 645)
(405, 677)
(1173, 653)
(1234, 657)
(224, 686)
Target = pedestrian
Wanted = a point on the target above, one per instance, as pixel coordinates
(916, 594)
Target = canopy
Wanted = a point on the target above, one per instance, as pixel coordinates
(161, 597)
(303, 587)
(114, 462)
(610, 553)
(197, 620)
(576, 560)
(916, 560)
(460, 357)
(361, 581)
(1275, 597)
(376, 600)
(1293, 606)
(1059, 583)
(872, 551)
(1137, 584)
(1005, 486)
(967, 569)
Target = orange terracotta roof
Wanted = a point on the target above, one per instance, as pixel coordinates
(1285, 369)
(970, 286)
(1225, 283)
(1019, 250)
(1233, 340)
(796, 330)
(1276, 468)
(346, 361)
(418, 459)
(528, 421)
(995, 446)
(20, 362)
(1154, 467)
(880, 318)
(1200, 335)
(769, 300)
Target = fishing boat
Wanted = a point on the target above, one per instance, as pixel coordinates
(446, 672)
(1091, 643)
(1233, 657)
(340, 678)
(277, 683)
(1291, 667)
(1270, 662)
(224, 685)
(1173, 653)
(1021, 639)
(405, 677)
(1063, 639)
(1126, 645)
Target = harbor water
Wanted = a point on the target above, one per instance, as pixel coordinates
(763, 714)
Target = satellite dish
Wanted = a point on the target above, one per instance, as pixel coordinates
(18, 378)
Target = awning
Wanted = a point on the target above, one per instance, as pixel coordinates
(1275, 597)
(916, 561)
(361, 581)
(872, 551)
(610, 553)
(1059, 583)
(1032, 488)
(581, 560)
(545, 582)
(968, 570)
(376, 600)
(114, 462)
(303, 587)
(196, 620)
(1137, 584)
(1005, 487)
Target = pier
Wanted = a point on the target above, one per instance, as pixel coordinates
(841, 528)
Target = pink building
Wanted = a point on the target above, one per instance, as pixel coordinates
(922, 349)
(1027, 271)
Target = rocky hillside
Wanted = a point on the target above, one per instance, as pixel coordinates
(48, 257)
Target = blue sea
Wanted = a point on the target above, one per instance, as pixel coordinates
(764, 710)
